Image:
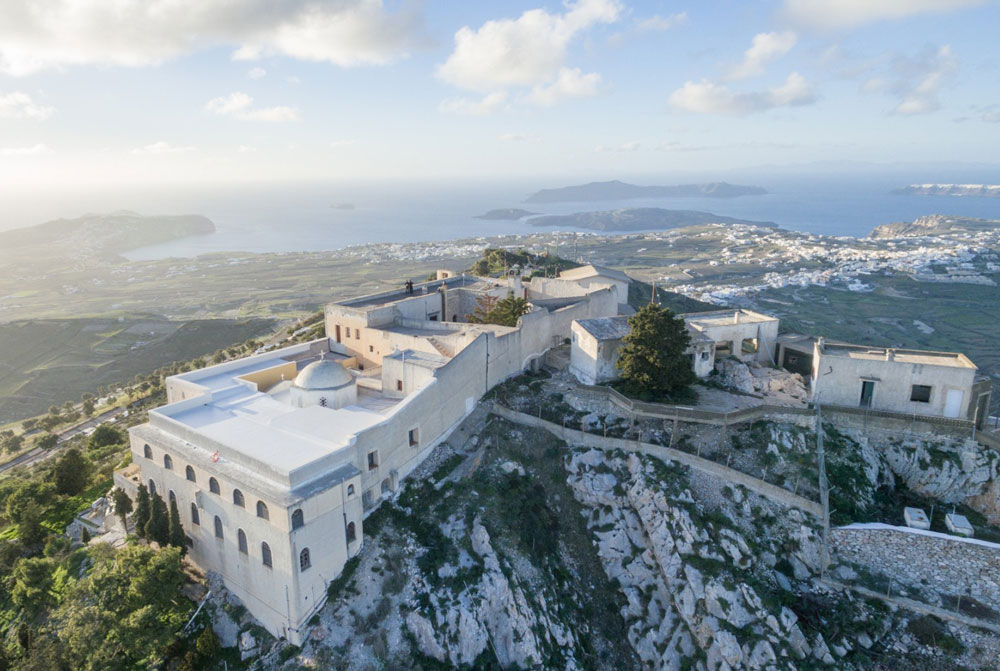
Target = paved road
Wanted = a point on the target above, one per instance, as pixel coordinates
(37, 454)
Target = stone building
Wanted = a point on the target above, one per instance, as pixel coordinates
(942, 384)
(749, 336)
(274, 459)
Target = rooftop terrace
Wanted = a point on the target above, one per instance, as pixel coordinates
(889, 354)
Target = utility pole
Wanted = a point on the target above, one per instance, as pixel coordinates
(824, 492)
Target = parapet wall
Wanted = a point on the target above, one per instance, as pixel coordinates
(923, 560)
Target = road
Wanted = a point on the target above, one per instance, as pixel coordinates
(37, 454)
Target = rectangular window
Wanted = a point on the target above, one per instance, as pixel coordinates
(371, 348)
(414, 437)
(399, 385)
(920, 393)
(357, 334)
(347, 331)
(373, 460)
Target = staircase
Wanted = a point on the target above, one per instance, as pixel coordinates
(440, 347)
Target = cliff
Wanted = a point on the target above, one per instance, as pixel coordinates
(933, 224)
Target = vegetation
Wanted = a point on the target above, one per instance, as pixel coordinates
(496, 262)
(652, 358)
(504, 312)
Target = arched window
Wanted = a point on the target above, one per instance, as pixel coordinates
(238, 499)
(172, 498)
(241, 540)
(352, 534)
(304, 562)
(265, 554)
(297, 519)
(350, 490)
(147, 451)
(218, 527)
(189, 474)
(213, 486)
(194, 515)
(152, 487)
(386, 486)
(168, 463)
(262, 511)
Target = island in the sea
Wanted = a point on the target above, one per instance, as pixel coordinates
(639, 219)
(981, 190)
(934, 224)
(616, 190)
(506, 214)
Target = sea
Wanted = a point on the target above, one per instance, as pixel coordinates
(318, 216)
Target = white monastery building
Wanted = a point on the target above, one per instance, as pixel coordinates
(274, 459)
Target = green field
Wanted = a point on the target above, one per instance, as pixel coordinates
(48, 362)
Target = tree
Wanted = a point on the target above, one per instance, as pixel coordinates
(126, 611)
(84, 535)
(158, 525)
(504, 311)
(207, 644)
(13, 442)
(104, 435)
(175, 532)
(71, 472)
(142, 511)
(48, 441)
(29, 525)
(123, 505)
(652, 358)
(31, 581)
(87, 404)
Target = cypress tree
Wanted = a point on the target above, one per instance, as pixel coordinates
(175, 532)
(652, 359)
(123, 505)
(158, 526)
(142, 511)
(84, 535)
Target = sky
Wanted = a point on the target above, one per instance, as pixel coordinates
(103, 92)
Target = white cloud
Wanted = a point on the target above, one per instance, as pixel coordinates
(488, 104)
(918, 81)
(18, 105)
(570, 83)
(257, 73)
(246, 149)
(240, 106)
(835, 14)
(512, 137)
(991, 114)
(529, 51)
(337, 144)
(657, 23)
(627, 147)
(36, 150)
(163, 148)
(707, 97)
(42, 34)
(765, 49)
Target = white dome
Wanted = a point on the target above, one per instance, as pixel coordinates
(323, 375)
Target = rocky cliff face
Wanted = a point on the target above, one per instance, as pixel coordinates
(932, 224)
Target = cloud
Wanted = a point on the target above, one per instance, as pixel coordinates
(918, 81)
(991, 114)
(707, 97)
(512, 137)
(570, 83)
(36, 150)
(627, 147)
(837, 14)
(657, 23)
(240, 106)
(163, 148)
(18, 105)
(488, 104)
(257, 73)
(765, 49)
(246, 149)
(42, 34)
(337, 144)
(529, 51)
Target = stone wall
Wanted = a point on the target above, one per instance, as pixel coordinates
(926, 561)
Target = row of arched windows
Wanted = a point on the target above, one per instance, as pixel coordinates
(213, 486)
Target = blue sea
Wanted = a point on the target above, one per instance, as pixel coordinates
(305, 217)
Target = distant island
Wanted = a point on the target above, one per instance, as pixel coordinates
(99, 236)
(639, 219)
(616, 190)
(506, 214)
(981, 190)
(934, 224)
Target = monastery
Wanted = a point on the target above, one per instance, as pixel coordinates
(274, 459)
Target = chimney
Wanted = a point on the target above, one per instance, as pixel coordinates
(736, 317)
(890, 354)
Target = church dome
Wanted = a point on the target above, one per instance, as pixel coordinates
(323, 375)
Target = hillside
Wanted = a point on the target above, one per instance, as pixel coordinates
(616, 190)
(934, 224)
(637, 219)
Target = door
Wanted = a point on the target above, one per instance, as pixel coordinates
(953, 403)
(867, 392)
(338, 332)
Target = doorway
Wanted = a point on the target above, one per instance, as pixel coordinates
(953, 403)
(867, 392)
